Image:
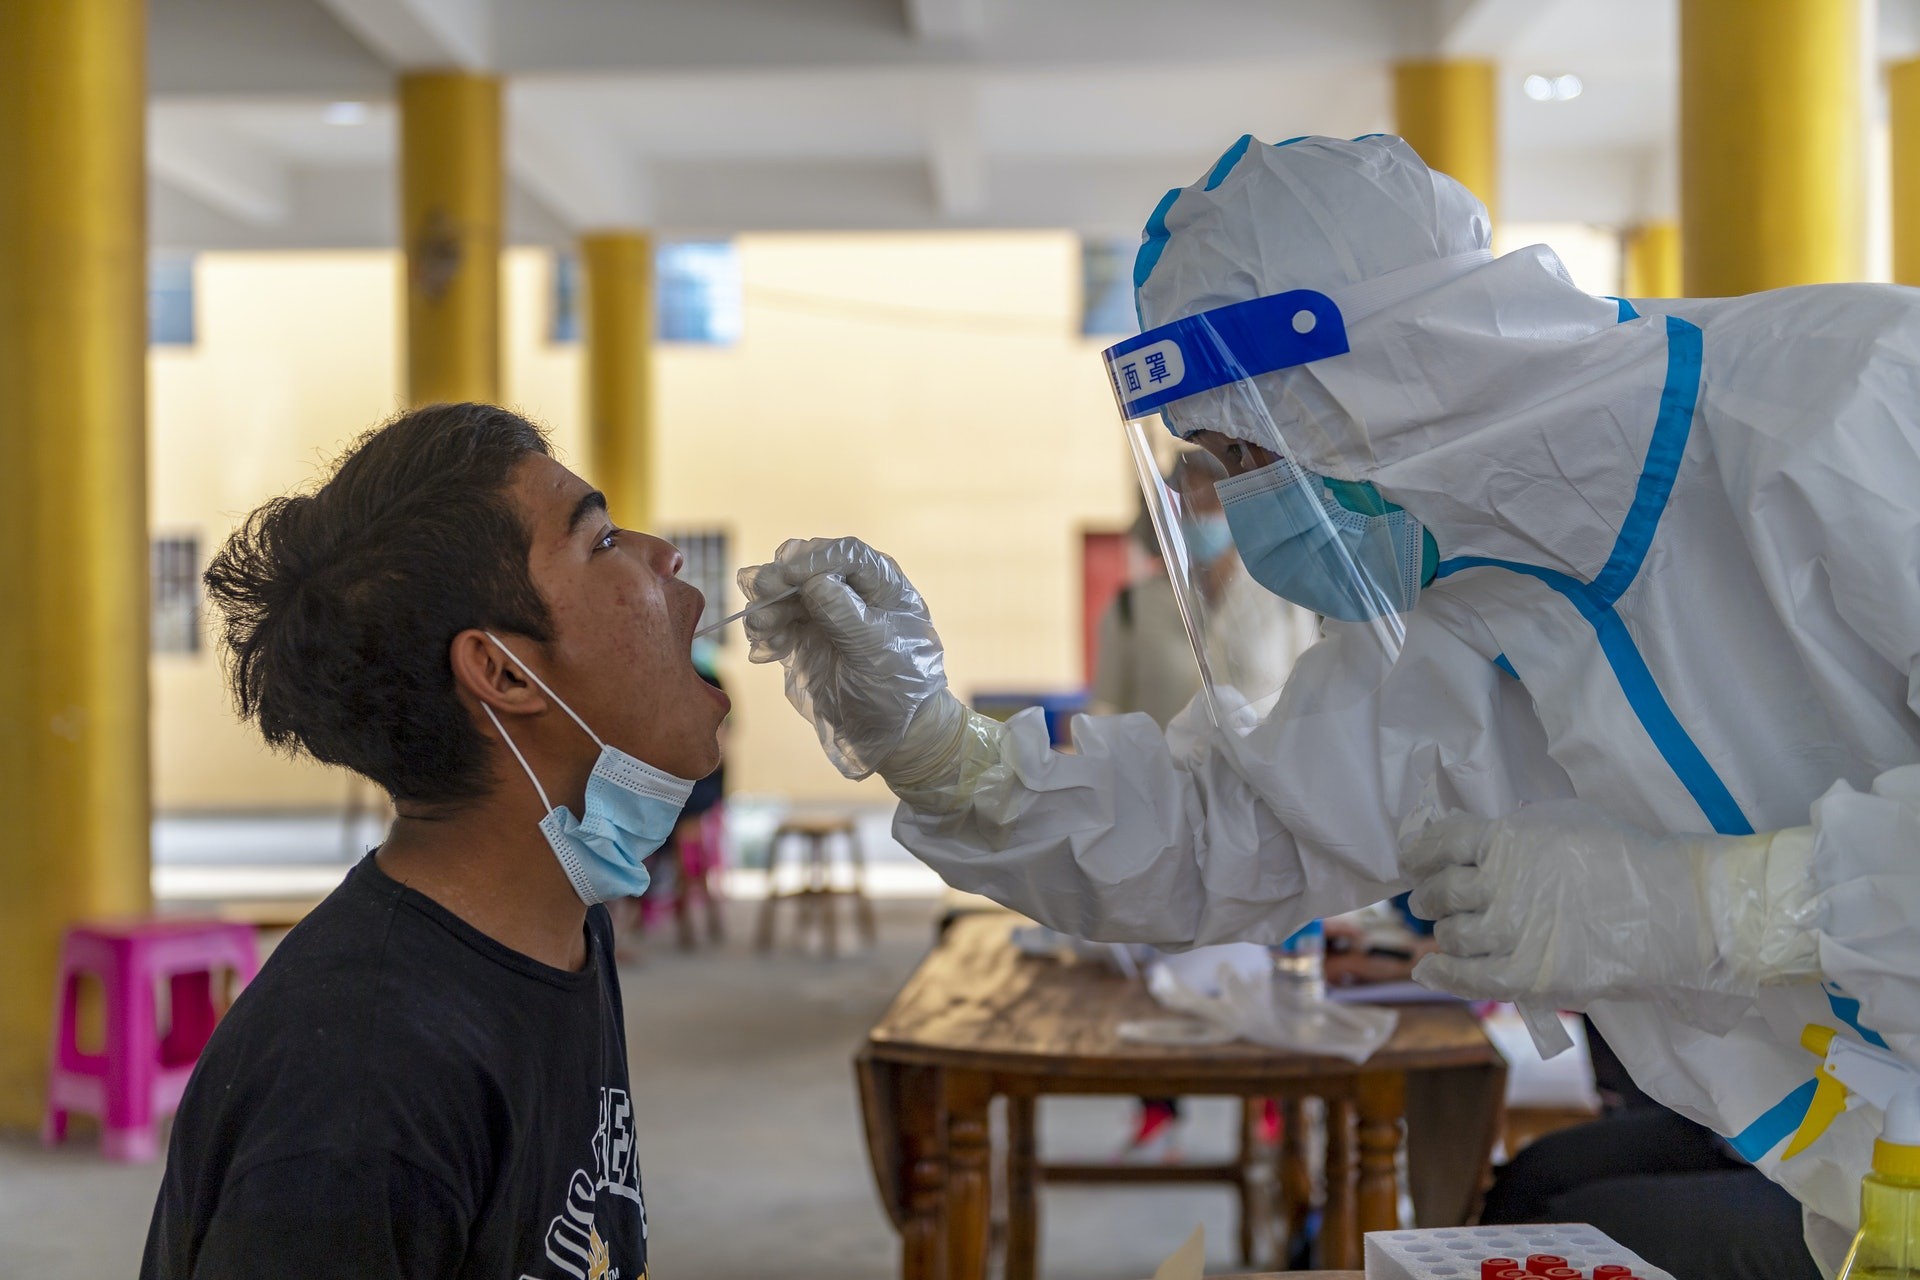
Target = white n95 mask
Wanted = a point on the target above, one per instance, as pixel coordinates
(630, 810)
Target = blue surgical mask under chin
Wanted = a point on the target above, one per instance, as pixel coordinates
(630, 810)
(1300, 542)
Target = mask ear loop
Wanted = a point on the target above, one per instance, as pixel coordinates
(542, 684)
(546, 806)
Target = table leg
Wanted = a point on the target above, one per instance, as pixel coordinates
(763, 927)
(1023, 1207)
(1382, 1104)
(1244, 1187)
(1296, 1173)
(969, 1198)
(924, 1157)
(1340, 1226)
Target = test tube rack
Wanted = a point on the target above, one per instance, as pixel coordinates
(1455, 1253)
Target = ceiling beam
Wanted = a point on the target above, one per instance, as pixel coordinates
(961, 22)
(411, 34)
(583, 176)
(196, 153)
(956, 160)
(1484, 28)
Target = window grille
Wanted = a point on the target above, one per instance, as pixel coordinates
(709, 568)
(1106, 288)
(170, 299)
(175, 615)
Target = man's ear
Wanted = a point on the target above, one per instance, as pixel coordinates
(487, 674)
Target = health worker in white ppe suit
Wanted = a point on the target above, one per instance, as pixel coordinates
(1628, 592)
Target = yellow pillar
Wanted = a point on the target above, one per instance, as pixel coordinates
(1447, 112)
(1650, 261)
(1903, 115)
(73, 500)
(617, 273)
(450, 216)
(1770, 163)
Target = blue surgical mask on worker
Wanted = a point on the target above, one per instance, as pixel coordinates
(1353, 558)
(630, 810)
(1209, 537)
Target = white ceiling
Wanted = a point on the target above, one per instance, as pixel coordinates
(711, 116)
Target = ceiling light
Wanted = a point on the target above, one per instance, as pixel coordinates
(1560, 88)
(344, 113)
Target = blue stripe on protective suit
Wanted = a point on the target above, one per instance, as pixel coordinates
(1626, 309)
(1774, 1124)
(1595, 600)
(1153, 243)
(1847, 1009)
(1224, 165)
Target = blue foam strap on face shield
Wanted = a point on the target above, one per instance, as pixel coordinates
(1225, 345)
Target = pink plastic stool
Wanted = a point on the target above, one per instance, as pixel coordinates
(139, 1076)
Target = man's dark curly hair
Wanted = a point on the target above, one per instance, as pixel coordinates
(338, 607)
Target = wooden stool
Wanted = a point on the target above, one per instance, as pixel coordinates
(816, 892)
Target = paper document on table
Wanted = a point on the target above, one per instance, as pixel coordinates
(1189, 1261)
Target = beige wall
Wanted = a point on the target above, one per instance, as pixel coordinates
(930, 393)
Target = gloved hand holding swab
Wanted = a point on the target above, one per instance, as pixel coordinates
(735, 617)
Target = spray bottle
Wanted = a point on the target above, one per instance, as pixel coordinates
(1888, 1244)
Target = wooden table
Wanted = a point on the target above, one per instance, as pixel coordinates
(978, 1019)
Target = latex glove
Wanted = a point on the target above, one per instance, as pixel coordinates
(1561, 901)
(858, 644)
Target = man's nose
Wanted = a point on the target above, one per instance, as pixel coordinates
(665, 557)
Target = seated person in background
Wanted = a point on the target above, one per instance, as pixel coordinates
(1376, 944)
(689, 864)
(429, 1076)
(1673, 1191)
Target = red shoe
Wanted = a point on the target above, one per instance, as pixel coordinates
(1269, 1128)
(1156, 1135)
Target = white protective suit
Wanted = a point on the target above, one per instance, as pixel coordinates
(1679, 579)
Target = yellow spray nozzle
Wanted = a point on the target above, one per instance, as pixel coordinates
(1829, 1095)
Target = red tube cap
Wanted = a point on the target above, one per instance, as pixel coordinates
(1611, 1271)
(1490, 1268)
(1539, 1263)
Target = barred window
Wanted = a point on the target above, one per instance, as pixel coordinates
(1106, 288)
(170, 299)
(563, 318)
(709, 568)
(175, 615)
(696, 294)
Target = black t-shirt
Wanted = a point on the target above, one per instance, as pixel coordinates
(399, 1095)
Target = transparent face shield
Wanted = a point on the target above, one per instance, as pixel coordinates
(1245, 528)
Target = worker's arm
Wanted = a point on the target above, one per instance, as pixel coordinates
(1180, 838)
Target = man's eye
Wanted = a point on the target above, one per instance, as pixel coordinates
(607, 540)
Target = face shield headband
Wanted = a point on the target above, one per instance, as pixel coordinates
(1227, 345)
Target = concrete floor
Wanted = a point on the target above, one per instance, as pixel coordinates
(750, 1139)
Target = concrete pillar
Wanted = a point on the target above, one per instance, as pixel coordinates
(1770, 155)
(617, 275)
(1903, 117)
(1448, 112)
(1650, 261)
(73, 500)
(450, 216)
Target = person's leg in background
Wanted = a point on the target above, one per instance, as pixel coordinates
(1664, 1187)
